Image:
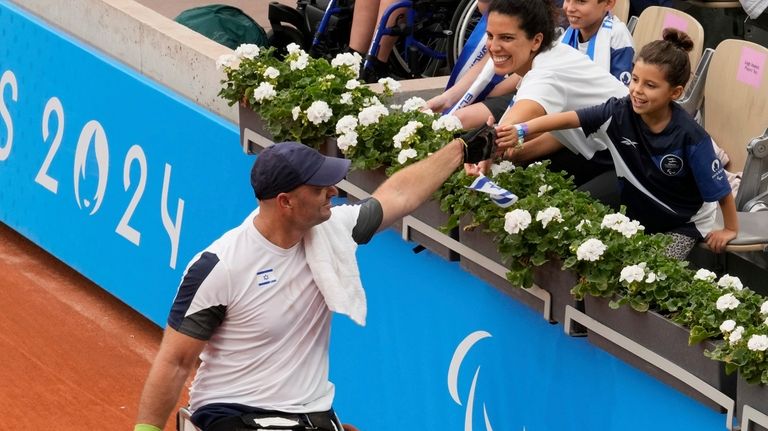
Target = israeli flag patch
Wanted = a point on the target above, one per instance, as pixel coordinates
(266, 277)
(498, 195)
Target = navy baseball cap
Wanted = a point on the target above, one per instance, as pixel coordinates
(287, 165)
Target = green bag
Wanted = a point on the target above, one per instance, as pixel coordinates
(224, 24)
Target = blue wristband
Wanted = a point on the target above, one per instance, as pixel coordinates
(522, 130)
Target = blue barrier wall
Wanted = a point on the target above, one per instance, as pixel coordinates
(124, 181)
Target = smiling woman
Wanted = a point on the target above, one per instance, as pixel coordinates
(555, 78)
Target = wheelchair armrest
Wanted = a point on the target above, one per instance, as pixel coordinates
(694, 92)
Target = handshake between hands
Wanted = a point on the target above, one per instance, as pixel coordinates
(485, 143)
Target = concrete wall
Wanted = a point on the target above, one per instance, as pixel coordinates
(162, 49)
(139, 37)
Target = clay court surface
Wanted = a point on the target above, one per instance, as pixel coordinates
(73, 357)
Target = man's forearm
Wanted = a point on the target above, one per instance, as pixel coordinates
(410, 187)
(161, 393)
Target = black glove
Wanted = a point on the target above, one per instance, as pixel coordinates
(479, 144)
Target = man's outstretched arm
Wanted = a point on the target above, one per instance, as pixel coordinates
(408, 188)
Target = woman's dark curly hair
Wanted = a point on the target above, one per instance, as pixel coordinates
(535, 16)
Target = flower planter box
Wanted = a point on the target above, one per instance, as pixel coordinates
(550, 276)
(667, 339)
(755, 396)
(254, 135)
(429, 212)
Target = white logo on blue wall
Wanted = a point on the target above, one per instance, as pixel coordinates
(453, 379)
(92, 132)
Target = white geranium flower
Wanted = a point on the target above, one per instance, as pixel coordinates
(295, 112)
(352, 84)
(247, 50)
(319, 112)
(372, 101)
(650, 277)
(390, 83)
(271, 73)
(591, 250)
(766, 321)
(612, 221)
(727, 302)
(405, 133)
(736, 335)
(346, 98)
(764, 308)
(544, 188)
(501, 167)
(516, 221)
(351, 60)
(728, 326)
(346, 140)
(629, 228)
(346, 124)
(406, 154)
(371, 114)
(265, 91)
(228, 61)
(758, 343)
(414, 104)
(729, 281)
(548, 215)
(301, 62)
(294, 48)
(582, 224)
(633, 273)
(450, 123)
(705, 274)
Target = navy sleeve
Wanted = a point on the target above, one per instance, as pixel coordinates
(593, 117)
(368, 221)
(203, 323)
(708, 171)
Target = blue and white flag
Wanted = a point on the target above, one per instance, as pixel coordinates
(499, 196)
(266, 277)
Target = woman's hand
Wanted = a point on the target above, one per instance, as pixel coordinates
(439, 103)
(718, 239)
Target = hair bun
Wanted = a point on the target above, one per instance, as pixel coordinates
(678, 38)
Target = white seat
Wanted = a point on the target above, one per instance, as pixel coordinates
(736, 116)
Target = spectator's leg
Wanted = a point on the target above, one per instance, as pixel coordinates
(681, 246)
(364, 21)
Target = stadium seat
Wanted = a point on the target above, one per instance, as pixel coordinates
(649, 27)
(655, 19)
(621, 10)
(736, 116)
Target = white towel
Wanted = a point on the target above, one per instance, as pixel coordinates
(330, 252)
(599, 48)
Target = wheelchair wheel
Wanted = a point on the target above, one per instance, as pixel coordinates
(429, 30)
(281, 37)
(464, 21)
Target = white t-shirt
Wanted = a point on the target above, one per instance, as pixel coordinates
(266, 322)
(563, 79)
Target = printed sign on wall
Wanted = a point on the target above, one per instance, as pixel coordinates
(119, 178)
